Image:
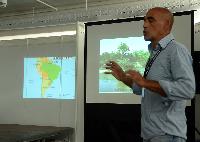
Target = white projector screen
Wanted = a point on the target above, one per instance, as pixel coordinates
(121, 42)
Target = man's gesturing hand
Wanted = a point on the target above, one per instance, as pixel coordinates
(115, 70)
(136, 77)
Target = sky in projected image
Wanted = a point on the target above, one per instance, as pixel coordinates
(134, 44)
(129, 53)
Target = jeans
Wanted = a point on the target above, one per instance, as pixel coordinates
(166, 138)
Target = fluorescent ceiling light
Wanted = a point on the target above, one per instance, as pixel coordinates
(38, 35)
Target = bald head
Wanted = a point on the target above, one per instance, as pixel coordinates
(157, 24)
(165, 14)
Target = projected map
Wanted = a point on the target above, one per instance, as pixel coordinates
(49, 77)
(129, 53)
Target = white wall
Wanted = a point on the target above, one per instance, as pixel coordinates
(13, 108)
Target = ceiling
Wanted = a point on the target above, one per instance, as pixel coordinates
(19, 13)
(30, 6)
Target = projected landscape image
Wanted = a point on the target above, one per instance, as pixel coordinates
(129, 53)
(49, 77)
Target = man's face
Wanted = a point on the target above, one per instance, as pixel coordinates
(154, 25)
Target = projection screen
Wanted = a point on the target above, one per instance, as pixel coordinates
(115, 40)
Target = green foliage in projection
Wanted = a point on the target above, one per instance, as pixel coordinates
(125, 58)
(123, 49)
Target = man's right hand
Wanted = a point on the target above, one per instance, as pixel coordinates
(118, 73)
(115, 70)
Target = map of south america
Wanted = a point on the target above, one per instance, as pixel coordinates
(49, 77)
(48, 72)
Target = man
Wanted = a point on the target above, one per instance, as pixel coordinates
(167, 84)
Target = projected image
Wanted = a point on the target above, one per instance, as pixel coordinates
(49, 77)
(129, 53)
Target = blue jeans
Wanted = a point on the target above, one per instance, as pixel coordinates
(166, 138)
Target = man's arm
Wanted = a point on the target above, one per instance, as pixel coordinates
(133, 79)
(144, 83)
(118, 73)
(122, 76)
(182, 85)
(154, 86)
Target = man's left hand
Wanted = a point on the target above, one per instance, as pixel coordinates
(136, 77)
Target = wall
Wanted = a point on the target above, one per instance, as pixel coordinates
(13, 108)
